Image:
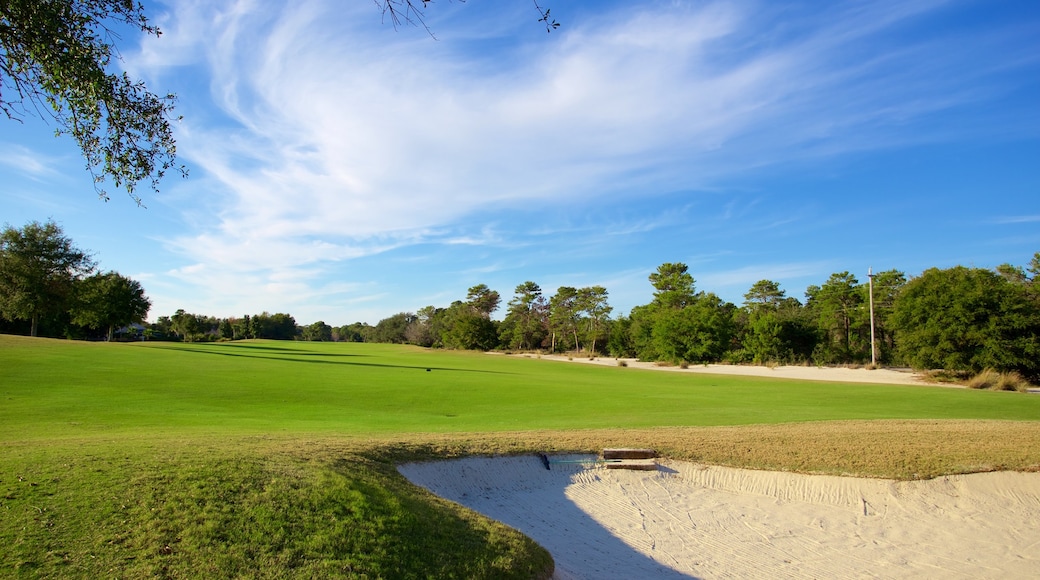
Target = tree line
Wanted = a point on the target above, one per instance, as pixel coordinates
(965, 319)
(961, 319)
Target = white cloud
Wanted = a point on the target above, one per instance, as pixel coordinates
(33, 164)
(745, 276)
(1018, 219)
(328, 137)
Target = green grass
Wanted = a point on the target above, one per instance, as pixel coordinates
(276, 460)
(221, 509)
(62, 389)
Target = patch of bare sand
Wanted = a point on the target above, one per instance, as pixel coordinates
(688, 520)
(807, 373)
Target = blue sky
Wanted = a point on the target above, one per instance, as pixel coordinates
(342, 170)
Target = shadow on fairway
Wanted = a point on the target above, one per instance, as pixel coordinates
(324, 362)
(281, 349)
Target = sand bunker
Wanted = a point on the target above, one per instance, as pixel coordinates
(806, 373)
(687, 520)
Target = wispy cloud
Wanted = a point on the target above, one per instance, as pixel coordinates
(32, 164)
(745, 276)
(327, 137)
(1017, 219)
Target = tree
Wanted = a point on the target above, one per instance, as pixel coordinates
(227, 329)
(835, 305)
(799, 333)
(57, 55)
(38, 266)
(108, 301)
(356, 332)
(592, 302)
(774, 327)
(525, 324)
(563, 316)
(641, 330)
(185, 325)
(393, 328)
(619, 337)
(318, 332)
(762, 330)
(243, 328)
(277, 326)
(1028, 277)
(465, 330)
(421, 330)
(483, 300)
(887, 286)
(763, 341)
(673, 285)
(763, 294)
(700, 332)
(968, 319)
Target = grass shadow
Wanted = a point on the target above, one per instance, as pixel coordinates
(281, 349)
(193, 350)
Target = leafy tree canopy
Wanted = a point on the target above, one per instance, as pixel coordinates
(968, 319)
(56, 59)
(38, 266)
(764, 294)
(673, 285)
(483, 300)
(108, 301)
(56, 56)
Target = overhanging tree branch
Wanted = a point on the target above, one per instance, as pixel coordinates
(413, 12)
(55, 56)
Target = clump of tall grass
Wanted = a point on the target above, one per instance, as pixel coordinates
(997, 381)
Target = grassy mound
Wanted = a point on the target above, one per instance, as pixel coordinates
(210, 509)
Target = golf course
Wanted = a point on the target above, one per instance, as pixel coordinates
(277, 459)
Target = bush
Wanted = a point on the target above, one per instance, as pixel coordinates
(1013, 381)
(984, 380)
(994, 381)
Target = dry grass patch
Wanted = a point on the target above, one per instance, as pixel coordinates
(997, 381)
(903, 450)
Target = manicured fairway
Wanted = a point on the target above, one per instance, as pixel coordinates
(71, 389)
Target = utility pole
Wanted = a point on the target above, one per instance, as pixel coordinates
(873, 349)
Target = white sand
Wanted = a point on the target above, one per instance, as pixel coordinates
(688, 520)
(809, 373)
